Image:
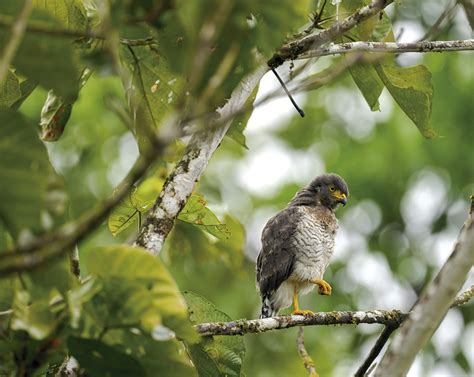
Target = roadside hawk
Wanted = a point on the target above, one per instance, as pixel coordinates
(297, 244)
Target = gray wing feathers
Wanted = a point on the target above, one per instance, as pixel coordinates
(276, 259)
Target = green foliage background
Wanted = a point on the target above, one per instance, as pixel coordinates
(408, 200)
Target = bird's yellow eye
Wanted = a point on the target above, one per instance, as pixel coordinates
(332, 188)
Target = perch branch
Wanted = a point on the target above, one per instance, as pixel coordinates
(307, 360)
(392, 318)
(389, 47)
(17, 30)
(431, 306)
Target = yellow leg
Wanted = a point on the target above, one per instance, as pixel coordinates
(324, 287)
(296, 307)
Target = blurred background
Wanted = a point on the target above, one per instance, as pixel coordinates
(408, 201)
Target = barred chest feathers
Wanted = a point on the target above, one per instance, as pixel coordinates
(313, 244)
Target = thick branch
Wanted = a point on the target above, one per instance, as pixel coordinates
(430, 308)
(180, 183)
(17, 31)
(293, 49)
(390, 47)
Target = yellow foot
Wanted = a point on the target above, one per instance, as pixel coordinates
(324, 287)
(302, 312)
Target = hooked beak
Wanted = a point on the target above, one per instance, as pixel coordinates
(340, 197)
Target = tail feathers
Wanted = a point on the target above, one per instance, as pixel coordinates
(268, 310)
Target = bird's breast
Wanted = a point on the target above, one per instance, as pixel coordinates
(313, 244)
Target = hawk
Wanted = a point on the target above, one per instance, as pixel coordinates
(297, 244)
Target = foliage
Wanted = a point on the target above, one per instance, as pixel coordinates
(88, 87)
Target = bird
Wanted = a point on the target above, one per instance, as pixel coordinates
(297, 244)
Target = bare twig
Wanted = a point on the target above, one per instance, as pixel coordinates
(375, 351)
(431, 307)
(307, 360)
(389, 47)
(74, 262)
(17, 31)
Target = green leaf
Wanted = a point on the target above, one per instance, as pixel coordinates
(195, 212)
(9, 90)
(35, 317)
(155, 86)
(369, 84)
(24, 171)
(130, 210)
(26, 88)
(218, 355)
(100, 359)
(412, 89)
(70, 13)
(138, 288)
(236, 129)
(166, 359)
(47, 59)
(56, 112)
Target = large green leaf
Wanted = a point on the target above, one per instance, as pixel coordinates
(46, 58)
(213, 356)
(70, 13)
(137, 289)
(24, 171)
(100, 359)
(10, 90)
(155, 88)
(132, 208)
(195, 212)
(369, 84)
(412, 89)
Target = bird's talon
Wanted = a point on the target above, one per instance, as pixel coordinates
(324, 288)
(305, 313)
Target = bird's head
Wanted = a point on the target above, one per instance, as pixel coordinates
(330, 190)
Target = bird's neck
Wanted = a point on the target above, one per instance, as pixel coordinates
(305, 197)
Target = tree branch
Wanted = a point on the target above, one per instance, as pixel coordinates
(431, 306)
(180, 183)
(389, 47)
(17, 31)
(392, 318)
(293, 49)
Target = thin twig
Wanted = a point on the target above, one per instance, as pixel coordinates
(307, 360)
(74, 261)
(17, 31)
(389, 47)
(300, 111)
(375, 351)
